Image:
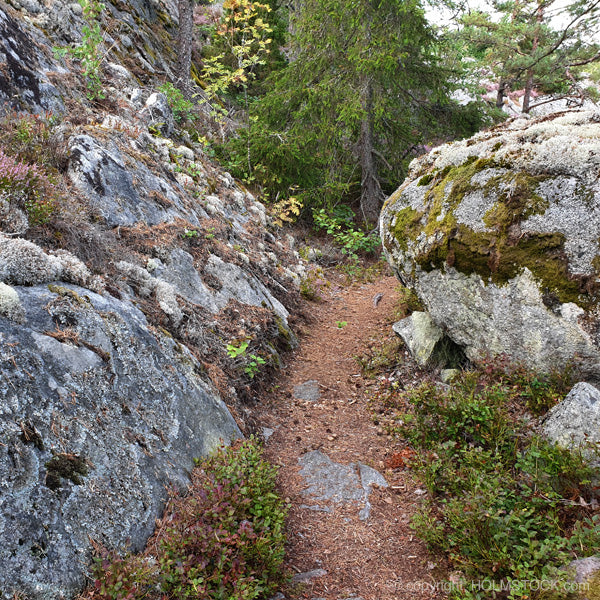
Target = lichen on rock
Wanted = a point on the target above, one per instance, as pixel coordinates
(478, 222)
(10, 303)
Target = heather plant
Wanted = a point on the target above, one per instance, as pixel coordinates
(33, 139)
(27, 187)
(314, 283)
(222, 540)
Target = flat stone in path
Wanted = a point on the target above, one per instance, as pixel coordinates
(308, 391)
(308, 576)
(344, 484)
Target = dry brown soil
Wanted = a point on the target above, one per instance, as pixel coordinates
(377, 559)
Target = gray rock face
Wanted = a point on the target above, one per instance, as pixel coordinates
(158, 114)
(237, 284)
(24, 81)
(423, 338)
(98, 414)
(122, 194)
(499, 237)
(102, 406)
(575, 421)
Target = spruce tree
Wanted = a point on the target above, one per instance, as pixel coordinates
(362, 87)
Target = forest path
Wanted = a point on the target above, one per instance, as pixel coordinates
(379, 558)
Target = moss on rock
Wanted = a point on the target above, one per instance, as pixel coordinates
(499, 253)
(407, 225)
(65, 466)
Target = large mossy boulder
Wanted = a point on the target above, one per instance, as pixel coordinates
(499, 237)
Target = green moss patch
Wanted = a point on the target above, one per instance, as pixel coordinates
(498, 255)
(593, 591)
(408, 224)
(65, 466)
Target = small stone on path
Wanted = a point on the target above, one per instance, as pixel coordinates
(308, 576)
(308, 391)
(267, 433)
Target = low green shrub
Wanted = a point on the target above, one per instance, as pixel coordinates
(339, 223)
(506, 506)
(183, 109)
(222, 540)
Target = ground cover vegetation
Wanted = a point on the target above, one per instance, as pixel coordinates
(508, 509)
(31, 164)
(222, 539)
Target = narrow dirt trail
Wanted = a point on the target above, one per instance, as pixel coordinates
(379, 558)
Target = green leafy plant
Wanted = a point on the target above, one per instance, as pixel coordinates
(223, 539)
(189, 233)
(235, 351)
(341, 324)
(339, 224)
(89, 52)
(183, 109)
(252, 362)
(253, 365)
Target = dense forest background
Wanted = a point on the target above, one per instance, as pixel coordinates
(321, 104)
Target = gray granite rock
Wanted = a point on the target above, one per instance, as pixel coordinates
(95, 423)
(24, 81)
(308, 576)
(575, 421)
(499, 237)
(421, 336)
(334, 482)
(158, 114)
(241, 285)
(308, 391)
(122, 193)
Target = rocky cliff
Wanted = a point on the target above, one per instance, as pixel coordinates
(119, 297)
(499, 237)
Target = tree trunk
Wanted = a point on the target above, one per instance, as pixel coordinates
(501, 93)
(539, 18)
(371, 194)
(185, 37)
(527, 95)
